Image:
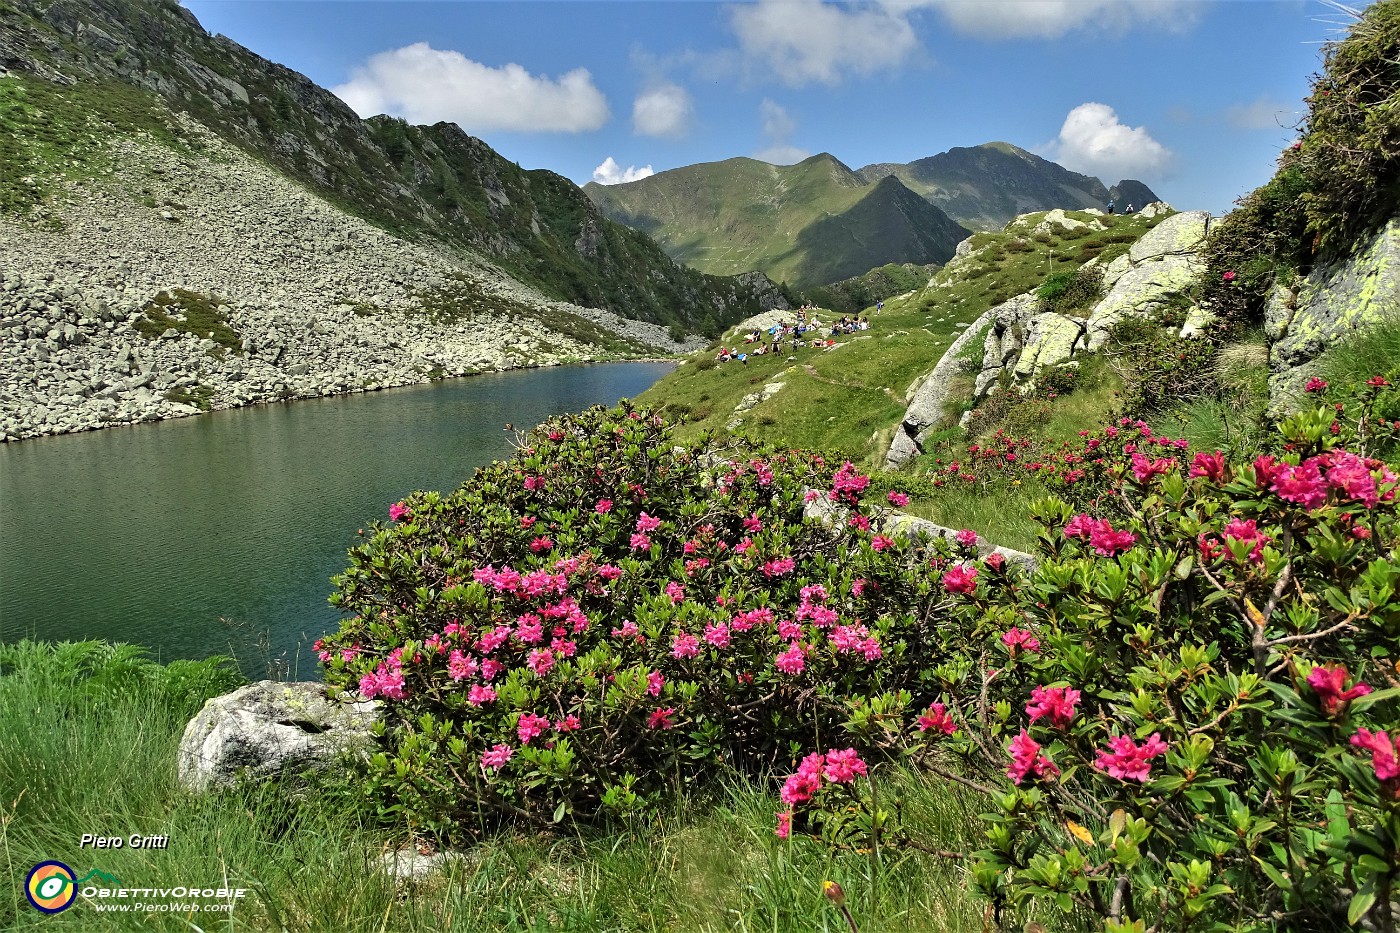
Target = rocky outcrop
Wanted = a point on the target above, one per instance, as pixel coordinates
(1332, 303)
(1051, 340)
(926, 408)
(314, 302)
(1155, 270)
(270, 729)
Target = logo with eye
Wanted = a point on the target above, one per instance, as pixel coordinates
(51, 887)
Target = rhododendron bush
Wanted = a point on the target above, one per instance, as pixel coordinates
(606, 617)
(1186, 717)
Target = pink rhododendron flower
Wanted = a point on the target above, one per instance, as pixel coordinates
(1329, 684)
(898, 499)
(490, 668)
(609, 572)
(1315, 385)
(661, 719)
(793, 660)
(881, 542)
(647, 523)
(628, 629)
(526, 521)
(1104, 540)
(1027, 759)
(530, 726)
(567, 724)
(479, 694)
(1081, 526)
(778, 568)
(717, 635)
(859, 522)
(847, 638)
(843, 765)
(789, 629)
(675, 591)
(496, 758)
(654, 683)
(541, 661)
(936, 718)
(995, 560)
(784, 829)
(1302, 484)
(685, 646)
(542, 543)
(1228, 277)
(847, 484)
(1055, 702)
(397, 511)
(744, 621)
(460, 667)
(1144, 469)
(529, 629)
(1128, 761)
(752, 525)
(966, 537)
(640, 542)
(800, 786)
(1020, 638)
(603, 507)
(960, 579)
(1384, 758)
(858, 586)
(1248, 532)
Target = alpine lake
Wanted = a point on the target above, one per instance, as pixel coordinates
(218, 534)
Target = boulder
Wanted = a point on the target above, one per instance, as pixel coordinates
(1155, 208)
(1050, 341)
(1140, 291)
(269, 728)
(1335, 301)
(1178, 235)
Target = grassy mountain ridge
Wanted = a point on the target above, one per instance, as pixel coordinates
(428, 184)
(984, 187)
(808, 224)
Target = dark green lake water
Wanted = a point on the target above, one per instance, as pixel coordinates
(220, 533)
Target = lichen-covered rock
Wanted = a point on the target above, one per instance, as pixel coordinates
(928, 403)
(1050, 341)
(1197, 320)
(1155, 208)
(1114, 270)
(1178, 235)
(1141, 290)
(1057, 217)
(269, 728)
(1335, 301)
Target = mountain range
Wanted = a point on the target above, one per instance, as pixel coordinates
(819, 221)
(425, 184)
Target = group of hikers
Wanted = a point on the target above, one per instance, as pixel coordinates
(1128, 210)
(805, 331)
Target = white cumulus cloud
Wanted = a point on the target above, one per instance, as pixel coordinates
(425, 85)
(778, 127)
(610, 173)
(1093, 141)
(1050, 19)
(805, 42)
(665, 110)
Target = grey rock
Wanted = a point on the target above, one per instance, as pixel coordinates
(1141, 290)
(1178, 235)
(1050, 341)
(1334, 302)
(268, 729)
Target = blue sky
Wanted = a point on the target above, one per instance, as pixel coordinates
(1195, 98)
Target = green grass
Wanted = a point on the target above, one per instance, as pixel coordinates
(90, 733)
(190, 313)
(49, 133)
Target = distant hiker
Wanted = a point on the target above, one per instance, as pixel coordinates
(1110, 205)
(1129, 210)
(879, 306)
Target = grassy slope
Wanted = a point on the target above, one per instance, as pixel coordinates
(809, 223)
(104, 761)
(850, 398)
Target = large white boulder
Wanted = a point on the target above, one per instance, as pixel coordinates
(269, 728)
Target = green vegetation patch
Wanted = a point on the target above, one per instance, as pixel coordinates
(189, 313)
(48, 133)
